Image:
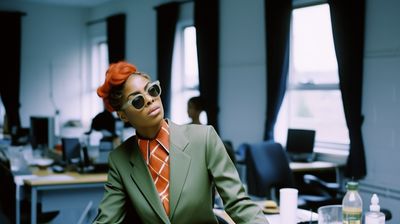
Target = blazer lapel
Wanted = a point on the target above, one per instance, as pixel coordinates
(142, 178)
(179, 164)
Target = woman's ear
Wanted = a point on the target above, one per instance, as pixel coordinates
(122, 116)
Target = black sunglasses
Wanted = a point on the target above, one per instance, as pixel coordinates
(138, 101)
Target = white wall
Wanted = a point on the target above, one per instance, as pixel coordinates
(381, 104)
(242, 70)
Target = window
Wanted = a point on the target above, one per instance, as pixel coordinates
(313, 98)
(99, 68)
(185, 74)
(98, 58)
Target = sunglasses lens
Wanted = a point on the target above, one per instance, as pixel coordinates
(138, 102)
(154, 90)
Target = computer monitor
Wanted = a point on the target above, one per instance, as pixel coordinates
(42, 134)
(300, 145)
(71, 150)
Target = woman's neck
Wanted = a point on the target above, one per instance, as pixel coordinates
(148, 132)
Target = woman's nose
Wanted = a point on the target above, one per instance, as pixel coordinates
(149, 99)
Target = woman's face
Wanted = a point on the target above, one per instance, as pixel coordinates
(152, 112)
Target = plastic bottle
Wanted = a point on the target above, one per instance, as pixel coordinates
(374, 216)
(352, 204)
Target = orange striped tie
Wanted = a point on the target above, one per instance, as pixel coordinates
(159, 169)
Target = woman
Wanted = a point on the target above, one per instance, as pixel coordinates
(166, 171)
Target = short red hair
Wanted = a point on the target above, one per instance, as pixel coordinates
(116, 75)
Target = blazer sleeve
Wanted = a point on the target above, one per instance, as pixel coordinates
(112, 207)
(226, 178)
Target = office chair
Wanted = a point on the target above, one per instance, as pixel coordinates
(217, 201)
(8, 201)
(268, 170)
(231, 152)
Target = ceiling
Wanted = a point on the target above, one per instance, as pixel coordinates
(77, 3)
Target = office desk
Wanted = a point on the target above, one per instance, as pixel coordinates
(327, 171)
(64, 192)
(299, 168)
(312, 166)
(316, 166)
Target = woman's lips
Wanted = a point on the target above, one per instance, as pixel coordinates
(154, 111)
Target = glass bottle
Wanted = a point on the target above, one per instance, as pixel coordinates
(352, 204)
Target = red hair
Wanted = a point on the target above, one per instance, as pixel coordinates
(116, 75)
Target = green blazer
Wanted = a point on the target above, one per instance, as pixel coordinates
(197, 160)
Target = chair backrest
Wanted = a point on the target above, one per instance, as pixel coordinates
(267, 169)
(231, 152)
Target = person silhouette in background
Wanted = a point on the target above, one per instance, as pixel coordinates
(194, 108)
(104, 122)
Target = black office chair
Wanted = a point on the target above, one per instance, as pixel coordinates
(8, 201)
(231, 152)
(268, 170)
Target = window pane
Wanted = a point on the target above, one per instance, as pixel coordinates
(185, 75)
(190, 58)
(99, 63)
(321, 111)
(312, 48)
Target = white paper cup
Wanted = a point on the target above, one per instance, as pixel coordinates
(288, 205)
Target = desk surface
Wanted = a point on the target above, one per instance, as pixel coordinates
(312, 166)
(302, 215)
(45, 177)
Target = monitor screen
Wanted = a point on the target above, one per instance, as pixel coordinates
(300, 141)
(42, 132)
(71, 150)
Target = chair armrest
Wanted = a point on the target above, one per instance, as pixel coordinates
(332, 188)
(240, 154)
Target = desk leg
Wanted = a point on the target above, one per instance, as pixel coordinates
(33, 205)
(18, 211)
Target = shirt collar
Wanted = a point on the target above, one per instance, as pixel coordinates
(162, 139)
